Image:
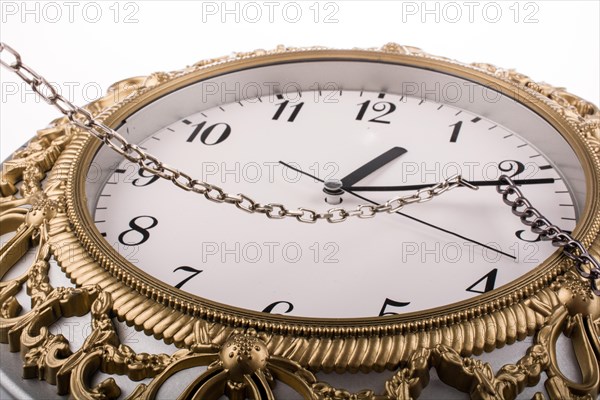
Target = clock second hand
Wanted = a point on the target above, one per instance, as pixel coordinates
(406, 215)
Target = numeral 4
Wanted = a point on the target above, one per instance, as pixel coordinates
(490, 282)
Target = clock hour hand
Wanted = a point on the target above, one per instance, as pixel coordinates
(372, 166)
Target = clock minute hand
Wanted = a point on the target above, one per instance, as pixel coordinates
(422, 186)
(372, 166)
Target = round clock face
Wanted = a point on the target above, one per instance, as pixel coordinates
(368, 129)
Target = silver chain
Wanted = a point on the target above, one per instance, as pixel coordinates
(83, 119)
(587, 266)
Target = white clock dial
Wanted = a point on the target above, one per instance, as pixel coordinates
(457, 246)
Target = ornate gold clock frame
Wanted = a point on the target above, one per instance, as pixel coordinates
(42, 206)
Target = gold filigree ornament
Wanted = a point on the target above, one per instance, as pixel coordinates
(245, 354)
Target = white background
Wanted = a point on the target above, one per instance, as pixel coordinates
(83, 47)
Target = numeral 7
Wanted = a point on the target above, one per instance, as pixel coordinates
(185, 268)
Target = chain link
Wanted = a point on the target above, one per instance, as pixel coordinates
(587, 266)
(83, 119)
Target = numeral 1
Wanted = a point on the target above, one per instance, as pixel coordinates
(384, 107)
(455, 131)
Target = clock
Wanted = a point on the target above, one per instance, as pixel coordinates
(277, 215)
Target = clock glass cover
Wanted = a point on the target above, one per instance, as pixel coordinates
(276, 133)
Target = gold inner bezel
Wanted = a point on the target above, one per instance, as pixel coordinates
(159, 293)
